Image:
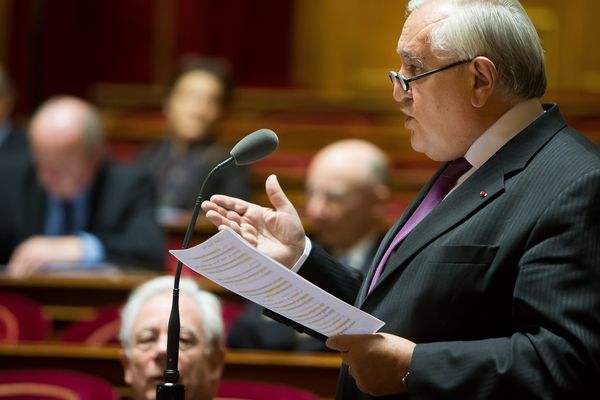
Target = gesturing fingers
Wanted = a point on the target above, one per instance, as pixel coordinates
(220, 222)
(230, 203)
(277, 197)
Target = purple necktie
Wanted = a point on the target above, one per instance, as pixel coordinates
(440, 188)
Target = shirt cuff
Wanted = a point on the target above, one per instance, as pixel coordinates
(93, 250)
(304, 256)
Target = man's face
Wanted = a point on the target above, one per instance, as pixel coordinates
(194, 105)
(65, 168)
(199, 371)
(340, 205)
(437, 106)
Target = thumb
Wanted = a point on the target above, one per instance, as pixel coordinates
(338, 342)
(277, 197)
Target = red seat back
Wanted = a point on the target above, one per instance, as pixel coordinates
(100, 330)
(21, 319)
(39, 384)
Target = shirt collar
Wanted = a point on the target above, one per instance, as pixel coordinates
(503, 130)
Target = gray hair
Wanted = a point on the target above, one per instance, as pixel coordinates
(91, 124)
(499, 30)
(208, 304)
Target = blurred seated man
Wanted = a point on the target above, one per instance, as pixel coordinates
(13, 142)
(196, 99)
(144, 322)
(347, 190)
(71, 206)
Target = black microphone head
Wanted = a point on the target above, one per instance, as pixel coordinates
(254, 147)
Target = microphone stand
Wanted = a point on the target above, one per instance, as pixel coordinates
(170, 389)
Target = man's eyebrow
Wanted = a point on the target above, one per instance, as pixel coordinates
(411, 58)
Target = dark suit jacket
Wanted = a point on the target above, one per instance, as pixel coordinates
(122, 214)
(501, 292)
(14, 148)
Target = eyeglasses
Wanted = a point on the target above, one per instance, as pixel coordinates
(404, 81)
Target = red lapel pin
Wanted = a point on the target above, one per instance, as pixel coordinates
(483, 194)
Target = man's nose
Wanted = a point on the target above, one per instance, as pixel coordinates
(399, 94)
(161, 344)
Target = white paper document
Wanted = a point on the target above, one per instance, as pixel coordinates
(231, 262)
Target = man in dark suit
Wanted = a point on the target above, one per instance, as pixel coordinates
(71, 205)
(494, 292)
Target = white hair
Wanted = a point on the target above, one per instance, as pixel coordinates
(499, 30)
(208, 305)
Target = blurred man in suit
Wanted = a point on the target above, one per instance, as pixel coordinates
(488, 283)
(144, 324)
(347, 188)
(72, 206)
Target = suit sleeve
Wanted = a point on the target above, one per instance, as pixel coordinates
(138, 240)
(554, 350)
(330, 275)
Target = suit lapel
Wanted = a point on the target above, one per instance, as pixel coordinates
(461, 203)
(466, 200)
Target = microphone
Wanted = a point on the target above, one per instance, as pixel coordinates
(254, 147)
(250, 149)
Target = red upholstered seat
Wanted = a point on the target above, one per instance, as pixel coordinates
(21, 319)
(40, 384)
(251, 390)
(102, 329)
(230, 310)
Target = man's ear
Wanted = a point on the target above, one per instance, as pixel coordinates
(485, 80)
(126, 367)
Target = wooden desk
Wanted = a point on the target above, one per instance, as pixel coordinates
(312, 371)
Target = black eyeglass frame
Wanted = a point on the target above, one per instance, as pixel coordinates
(404, 81)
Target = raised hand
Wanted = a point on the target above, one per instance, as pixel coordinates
(276, 232)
